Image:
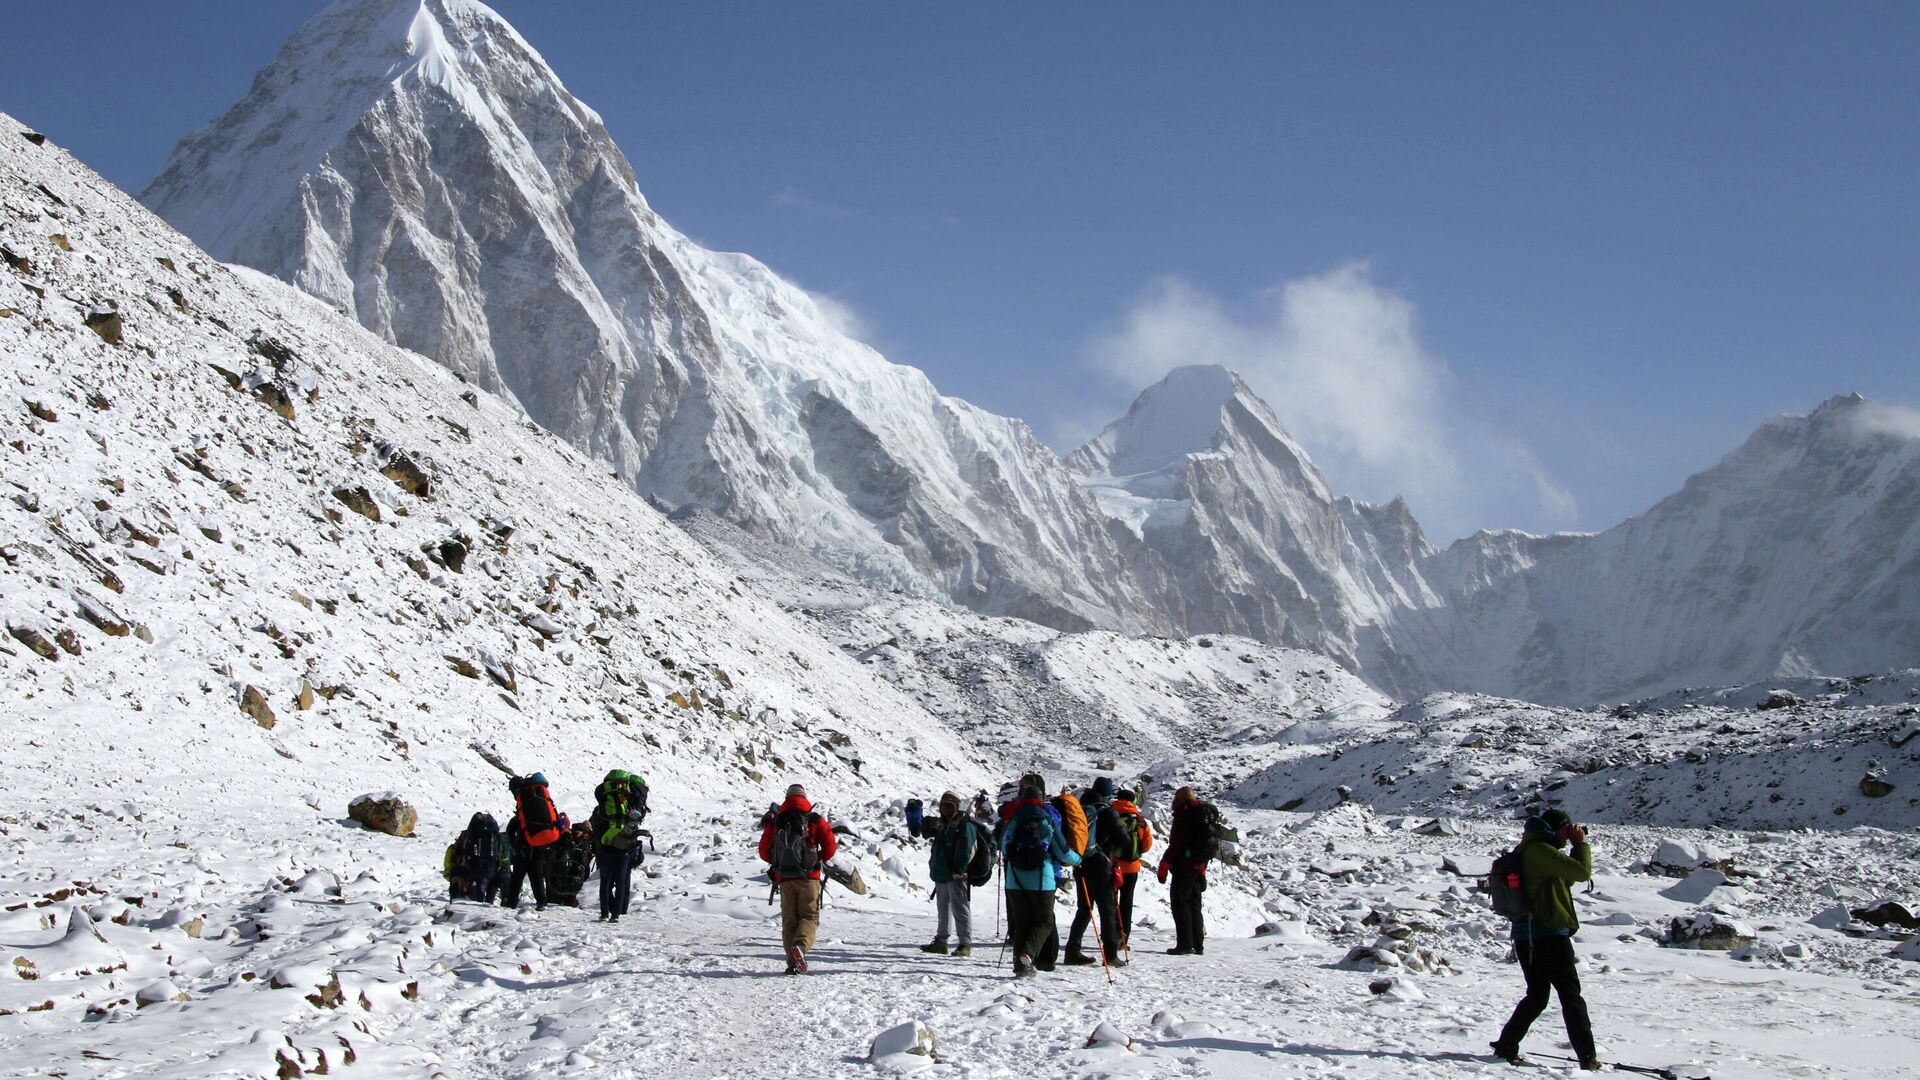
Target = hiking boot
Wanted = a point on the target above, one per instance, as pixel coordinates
(1199, 950)
(1591, 1065)
(796, 961)
(1075, 959)
(938, 948)
(602, 918)
(539, 907)
(1117, 962)
(1508, 1054)
(1180, 950)
(1022, 965)
(964, 950)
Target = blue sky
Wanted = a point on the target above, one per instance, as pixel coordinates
(1531, 265)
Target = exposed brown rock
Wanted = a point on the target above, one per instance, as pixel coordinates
(254, 704)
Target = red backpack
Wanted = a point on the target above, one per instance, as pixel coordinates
(539, 821)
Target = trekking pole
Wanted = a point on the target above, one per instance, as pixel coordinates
(1087, 898)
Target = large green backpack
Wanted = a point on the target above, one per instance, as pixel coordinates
(1130, 846)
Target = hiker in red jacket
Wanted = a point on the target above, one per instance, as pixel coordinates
(1185, 859)
(796, 843)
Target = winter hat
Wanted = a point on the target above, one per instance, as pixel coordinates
(1538, 828)
(1124, 795)
(1102, 788)
(950, 799)
(796, 791)
(539, 778)
(1033, 783)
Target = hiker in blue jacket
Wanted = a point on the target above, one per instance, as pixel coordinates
(1032, 842)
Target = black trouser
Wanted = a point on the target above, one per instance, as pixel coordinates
(1189, 924)
(1549, 966)
(616, 880)
(1093, 888)
(1127, 882)
(529, 863)
(1030, 925)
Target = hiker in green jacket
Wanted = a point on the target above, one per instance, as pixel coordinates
(1544, 941)
(955, 836)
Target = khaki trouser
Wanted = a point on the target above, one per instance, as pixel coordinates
(799, 913)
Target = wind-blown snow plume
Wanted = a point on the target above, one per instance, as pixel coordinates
(1341, 359)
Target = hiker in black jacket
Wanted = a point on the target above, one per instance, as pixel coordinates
(1093, 881)
(954, 836)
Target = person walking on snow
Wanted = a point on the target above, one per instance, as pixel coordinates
(795, 844)
(954, 838)
(539, 829)
(1032, 841)
(1093, 882)
(1139, 834)
(1185, 860)
(620, 805)
(1543, 942)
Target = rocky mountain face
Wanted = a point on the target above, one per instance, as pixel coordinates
(1798, 554)
(1205, 475)
(416, 165)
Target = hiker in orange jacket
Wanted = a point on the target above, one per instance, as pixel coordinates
(796, 843)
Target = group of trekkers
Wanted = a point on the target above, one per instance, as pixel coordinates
(1094, 843)
(543, 850)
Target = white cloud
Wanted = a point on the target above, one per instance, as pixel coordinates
(1340, 359)
(794, 199)
(841, 316)
(1886, 418)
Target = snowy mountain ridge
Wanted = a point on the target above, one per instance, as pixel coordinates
(417, 165)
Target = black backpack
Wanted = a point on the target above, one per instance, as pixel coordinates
(1508, 889)
(980, 867)
(1214, 834)
(1032, 843)
(795, 855)
(1110, 835)
(479, 846)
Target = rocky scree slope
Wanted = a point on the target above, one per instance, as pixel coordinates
(250, 546)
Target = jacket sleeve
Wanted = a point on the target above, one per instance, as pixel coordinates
(766, 843)
(1146, 835)
(1068, 856)
(822, 835)
(1575, 867)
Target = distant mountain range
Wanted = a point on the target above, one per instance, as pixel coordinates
(418, 166)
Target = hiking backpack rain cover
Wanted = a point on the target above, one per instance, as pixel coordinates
(795, 855)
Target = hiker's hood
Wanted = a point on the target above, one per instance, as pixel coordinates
(797, 802)
(1122, 806)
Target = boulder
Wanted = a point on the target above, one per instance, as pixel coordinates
(34, 640)
(359, 500)
(384, 812)
(901, 1044)
(1875, 787)
(1779, 699)
(1887, 913)
(1108, 1037)
(254, 704)
(106, 324)
(158, 993)
(1678, 858)
(1695, 887)
(1709, 930)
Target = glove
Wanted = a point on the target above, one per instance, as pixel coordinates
(1161, 873)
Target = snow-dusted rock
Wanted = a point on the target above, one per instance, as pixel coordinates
(1696, 887)
(1709, 930)
(905, 1047)
(384, 812)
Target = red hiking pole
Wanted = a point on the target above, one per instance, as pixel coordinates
(1088, 898)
